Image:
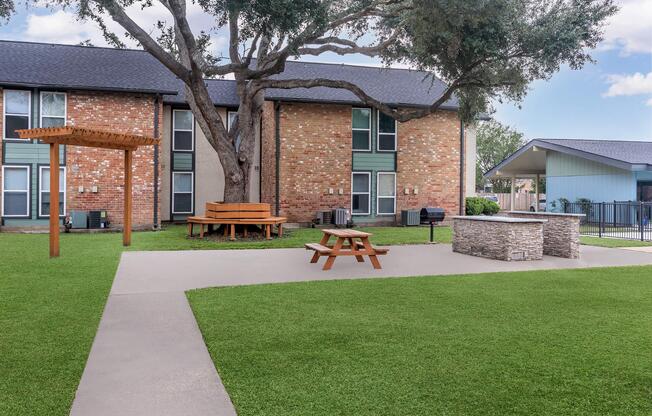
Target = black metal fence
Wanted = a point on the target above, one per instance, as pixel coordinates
(619, 219)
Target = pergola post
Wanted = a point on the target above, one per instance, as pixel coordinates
(54, 200)
(512, 194)
(126, 234)
(536, 191)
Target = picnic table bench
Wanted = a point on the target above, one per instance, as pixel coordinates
(232, 214)
(348, 243)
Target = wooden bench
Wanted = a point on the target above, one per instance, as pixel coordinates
(379, 250)
(232, 214)
(348, 243)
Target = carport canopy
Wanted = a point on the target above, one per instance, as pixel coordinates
(76, 136)
(528, 162)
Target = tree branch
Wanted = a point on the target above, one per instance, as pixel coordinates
(353, 48)
(118, 14)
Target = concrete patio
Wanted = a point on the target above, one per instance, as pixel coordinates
(149, 358)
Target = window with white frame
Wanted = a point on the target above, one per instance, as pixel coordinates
(182, 192)
(53, 109)
(386, 193)
(44, 191)
(360, 193)
(361, 128)
(183, 127)
(17, 108)
(386, 133)
(15, 191)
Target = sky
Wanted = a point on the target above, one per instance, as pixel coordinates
(611, 99)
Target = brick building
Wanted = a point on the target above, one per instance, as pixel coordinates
(318, 148)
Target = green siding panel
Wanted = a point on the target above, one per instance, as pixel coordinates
(182, 161)
(374, 161)
(30, 153)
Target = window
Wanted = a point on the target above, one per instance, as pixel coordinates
(17, 105)
(53, 109)
(15, 191)
(360, 193)
(183, 127)
(231, 115)
(361, 123)
(386, 133)
(182, 192)
(44, 191)
(386, 193)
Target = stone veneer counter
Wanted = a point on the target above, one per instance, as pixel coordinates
(500, 238)
(561, 232)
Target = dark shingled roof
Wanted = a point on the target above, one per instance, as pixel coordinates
(632, 152)
(29, 64)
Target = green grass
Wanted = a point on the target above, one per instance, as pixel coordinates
(612, 242)
(565, 342)
(175, 238)
(50, 308)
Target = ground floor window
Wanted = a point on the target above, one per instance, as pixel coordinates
(182, 192)
(360, 193)
(644, 191)
(15, 191)
(386, 193)
(44, 191)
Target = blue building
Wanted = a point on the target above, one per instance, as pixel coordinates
(597, 170)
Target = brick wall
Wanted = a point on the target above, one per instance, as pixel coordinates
(87, 167)
(315, 156)
(429, 160)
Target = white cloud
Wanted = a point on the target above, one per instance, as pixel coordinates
(630, 29)
(60, 27)
(634, 84)
(649, 102)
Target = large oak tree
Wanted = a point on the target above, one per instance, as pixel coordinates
(482, 49)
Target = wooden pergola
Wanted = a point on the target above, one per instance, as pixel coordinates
(75, 136)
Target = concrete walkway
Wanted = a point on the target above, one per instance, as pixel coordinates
(149, 358)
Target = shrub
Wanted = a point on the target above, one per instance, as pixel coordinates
(490, 207)
(474, 205)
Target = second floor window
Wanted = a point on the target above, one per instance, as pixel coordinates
(53, 109)
(17, 109)
(386, 133)
(182, 130)
(361, 126)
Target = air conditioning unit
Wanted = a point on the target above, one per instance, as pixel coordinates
(410, 217)
(79, 219)
(98, 219)
(324, 217)
(340, 217)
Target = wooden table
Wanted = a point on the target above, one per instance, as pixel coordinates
(358, 246)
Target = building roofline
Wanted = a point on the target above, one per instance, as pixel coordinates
(5, 84)
(571, 151)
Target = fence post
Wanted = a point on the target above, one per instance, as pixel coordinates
(601, 219)
(640, 220)
(614, 219)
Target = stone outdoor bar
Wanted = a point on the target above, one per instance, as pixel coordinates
(561, 232)
(500, 238)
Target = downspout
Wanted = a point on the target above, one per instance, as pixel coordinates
(277, 138)
(156, 159)
(462, 150)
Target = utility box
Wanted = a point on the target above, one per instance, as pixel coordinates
(79, 219)
(98, 219)
(340, 217)
(410, 217)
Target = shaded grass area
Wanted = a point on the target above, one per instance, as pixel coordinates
(612, 242)
(563, 342)
(174, 237)
(50, 308)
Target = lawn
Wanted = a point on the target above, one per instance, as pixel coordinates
(50, 308)
(566, 342)
(613, 242)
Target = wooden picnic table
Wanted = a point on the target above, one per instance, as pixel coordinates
(357, 244)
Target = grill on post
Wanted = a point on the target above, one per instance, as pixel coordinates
(432, 215)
